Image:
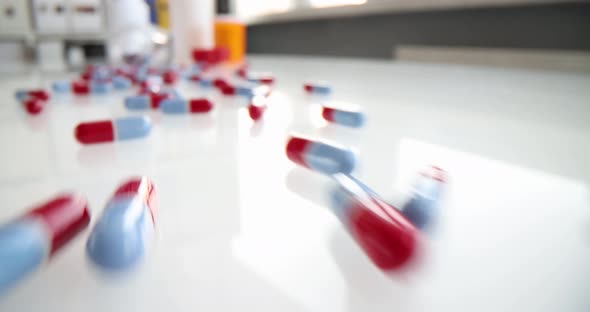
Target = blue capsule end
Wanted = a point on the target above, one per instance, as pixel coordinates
(138, 102)
(122, 83)
(329, 159)
(61, 87)
(120, 238)
(132, 127)
(174, 106)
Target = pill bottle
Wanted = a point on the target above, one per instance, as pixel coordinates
(192, 27)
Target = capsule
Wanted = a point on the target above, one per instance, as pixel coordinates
(250, 91)
(170, 77)
(322, 157)
(94, 87)
(34, 105)
(182, 106)
(317, 88)
(22, 95)
(348, 118)
(26, 242)
(205, 82)
(386, 236)
(122, 83)
(257, 107)
(422, 208)
(262, 78)
(113, 130)
(228, 90)
(122, 235)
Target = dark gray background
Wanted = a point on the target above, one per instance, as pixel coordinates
(564, 26)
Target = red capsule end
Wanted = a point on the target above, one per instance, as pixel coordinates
(201, 55)
(390, 244)
(64, 217)
(34, 105)
(40, 94)
(158, 97)
(308, 87)
(328, 113)
(267, 80)
(296, 148)
(95, 132)
(170, 77)
(219, 83)
(228, 90)
(257, 108)
(80, 87)
(195, 78)
(142, 187)
(200, 105)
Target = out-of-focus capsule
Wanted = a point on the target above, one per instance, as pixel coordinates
(151, 81)
(182, 106)
(122, 83)
(94, 87)
(97, 87)
(219, 82)
(138, 102)
(26, 242)
(228, 90)
(194, 77)
(158, 97)
(317, 88)
(61, 86)
(250, 91)
(22, 95)
(170, 77)
(386, 236)
(205, 82)
(349, 118)
(34, 105)
(422, 208)
(257, 107)
(113, 130)
(126, 228)
(326, 158)
(262, 78)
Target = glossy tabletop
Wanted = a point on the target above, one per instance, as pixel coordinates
(241, 228)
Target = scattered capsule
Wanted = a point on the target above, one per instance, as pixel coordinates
(317, 88)
(228, 90)
(182, 106)
(22, 95)
(422, 208)
(122, 83)
(257, 107)
(122, 235)
(28, 241)
(219, 82)
(97, 87)
(262, 78)
(138, 102)
(34, 105)
(349, 118)
(319, 156)
(386, 236)
(94, 87)
(205, 82)
(170, 77)
(113, 130)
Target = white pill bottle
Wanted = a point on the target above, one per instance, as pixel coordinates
(192, 27)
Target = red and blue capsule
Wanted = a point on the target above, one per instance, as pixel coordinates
(344, 117)
(182, 106)
(119, 129)
(324, 157)
(27, 242)
(124, 232)
(321, 88)
(389, 239)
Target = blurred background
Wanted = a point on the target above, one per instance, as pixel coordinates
(548, 34)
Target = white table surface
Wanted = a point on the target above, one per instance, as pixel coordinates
(242, 229)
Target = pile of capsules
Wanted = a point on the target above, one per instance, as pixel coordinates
(117, 242)
(390, 237)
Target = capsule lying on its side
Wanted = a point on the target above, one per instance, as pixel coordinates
(319, 156)
(22, 95)
(25, 243)
(182, 106)
(317, 88)
(124, 231)
(386, 236)
(82, 87)
(422, 208)
(349, 118)
(122, 83)
(113, 130)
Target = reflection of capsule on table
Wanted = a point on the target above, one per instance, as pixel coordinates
(113, 130)
(422, 208)
(26, 242)
(323, 157)
(386, 236)
(126, 228)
